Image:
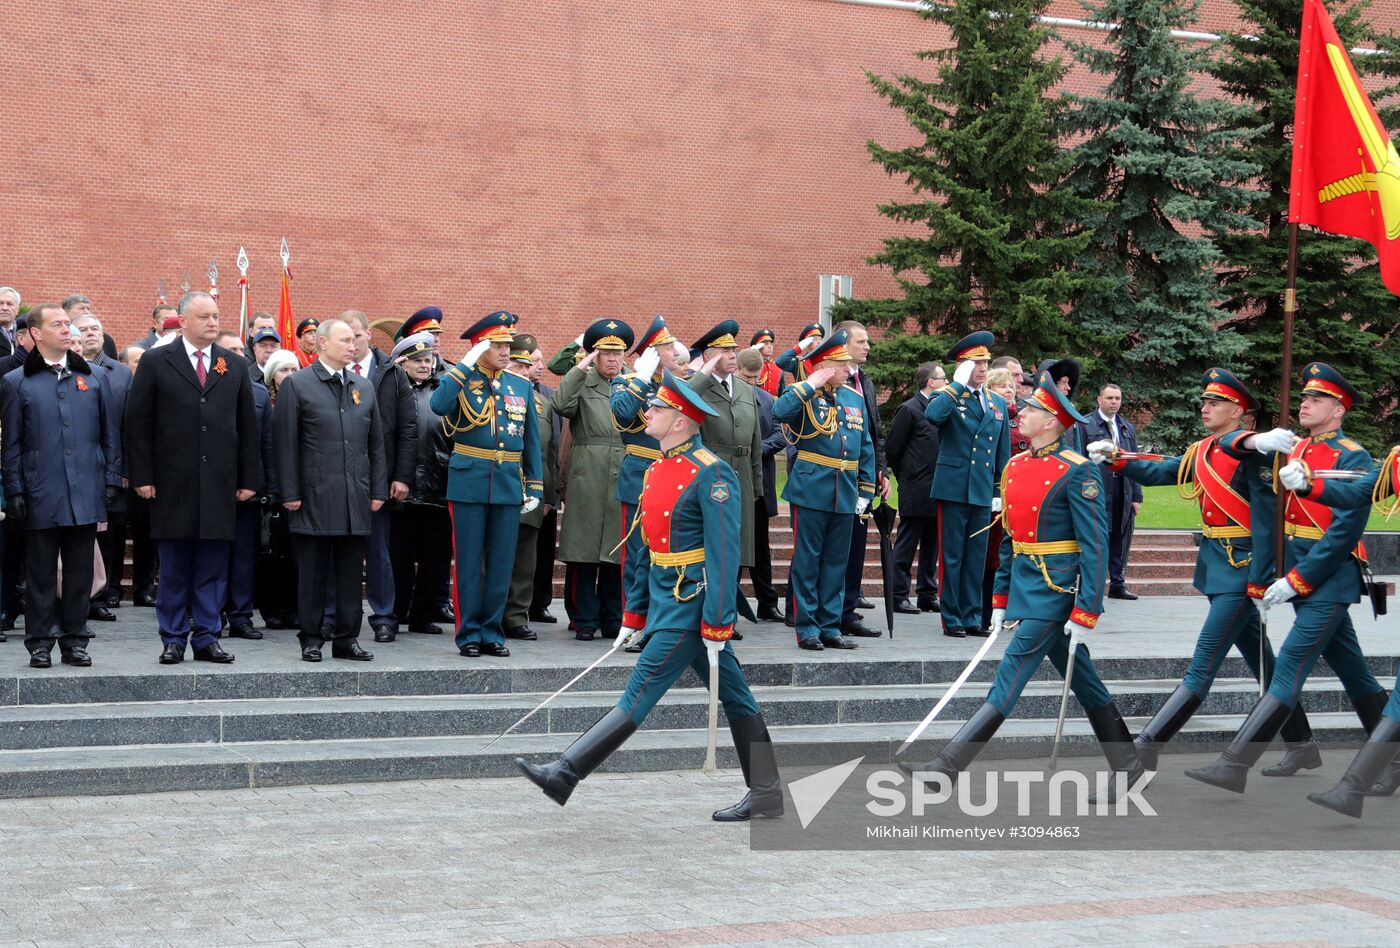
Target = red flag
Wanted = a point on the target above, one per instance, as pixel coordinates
(286, 324)
(1346, 172)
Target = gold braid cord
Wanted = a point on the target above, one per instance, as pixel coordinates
(1384, 495)
(467, 417)
(1186, 486)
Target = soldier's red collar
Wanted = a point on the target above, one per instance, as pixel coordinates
(680, 448)
(1050, 448)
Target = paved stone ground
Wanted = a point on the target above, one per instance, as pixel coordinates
(491, 861)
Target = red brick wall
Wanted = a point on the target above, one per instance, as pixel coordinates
(564, 161)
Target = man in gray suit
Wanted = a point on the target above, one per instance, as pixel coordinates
(765, 508)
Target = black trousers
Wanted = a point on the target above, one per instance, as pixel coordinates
(329, 562)
(13, 569)
(544, 562)
(921, 534)
(111, 542)
(593, 595)
(275, 579)
(143, 548)
(42, 610)
(1120, 537)
(855, 570)
(761, 572)
(420, 552)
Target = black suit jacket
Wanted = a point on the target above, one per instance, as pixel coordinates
(872, 411)
(197, 445)
(773, 440)
(398, 416)
(1096, 429)
(912, 450)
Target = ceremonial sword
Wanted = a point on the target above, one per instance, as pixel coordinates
(710, 738)
(952, 690)
(1064, 698)
(571, 682)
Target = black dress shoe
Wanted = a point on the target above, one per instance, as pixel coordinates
(426, 629)
(584, 634)
(145, 599)
(496, 649)
(350, 650)
(610, 633)
(980, 633)
(905, 607)
(244, 630)
(737, 636)
(3, 637)
(385, 633)
(274, 622)
(173, 654)
(39, 658)
(790, 620)
(837, 641)
(78, 657)
(444, 614)
(327, 631)
(863, 603)
(311, 653)
(524, 633)
(7, 623)
(769, 614)
(101, 614)
(213, 652)
(954, 633)
(811, 645)
(543, 615)
(861, 630)
(930, 605)
(470, 650)
(1120, 592)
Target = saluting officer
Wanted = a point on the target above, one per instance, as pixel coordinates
(974, 443)
(428, 319)
(1234, 563)
(631, 394)
(493, 476)
(791, 360)
(592, 530)
(522, 577)
(1053, 562)
(831, 481)
(690, 522)
(1323, 557)
(1364, 777)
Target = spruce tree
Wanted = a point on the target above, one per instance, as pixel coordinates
(990, 239)
(1164, 162)
(1346, 317)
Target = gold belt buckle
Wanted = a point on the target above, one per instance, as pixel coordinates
(500, 456)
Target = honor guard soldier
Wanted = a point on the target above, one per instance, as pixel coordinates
(1364, 778)
(1051, 580)
(831, 481)
(589, 540)
(770, 379)
(690, 522)
(1234, 563)
(1324, 559)
(974, 443)
(306, 339)
(493, 476)
(631, 394)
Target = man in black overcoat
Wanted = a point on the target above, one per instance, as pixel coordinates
(912, 450)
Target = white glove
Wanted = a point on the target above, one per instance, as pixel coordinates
(807, 344)
(1101, 451)
(646, 363)
(1280, 440)
(996, 505)
(964, 371)
(862, 505)
(530, 504)
(629, 637)
(1294, 476)
(758, 345)
(1279, 592)
(712, 650)
(1076, 632)
(470, 360)
(998, 620)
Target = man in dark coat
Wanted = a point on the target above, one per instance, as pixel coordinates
(329, 448)
(118, 382)
(912, 449)
(765, 508)
(62, 464)
(248, 520)
(397, 417)
(858, 344)
(1122, 496)
(548, 536)
(192, 450)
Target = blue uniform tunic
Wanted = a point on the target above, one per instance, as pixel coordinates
(629, 398)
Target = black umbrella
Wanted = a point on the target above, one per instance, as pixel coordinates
(883, 516)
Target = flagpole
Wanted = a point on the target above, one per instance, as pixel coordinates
(1290, 305)
(243, 293)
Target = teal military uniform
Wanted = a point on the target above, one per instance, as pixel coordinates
(974, 444)
(833, 470)
(495, 466)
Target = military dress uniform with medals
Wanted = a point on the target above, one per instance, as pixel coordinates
(1053, 562)
(1323, 557)
(831, 480)
(1234, 564)
(690, 524)
(495, 468)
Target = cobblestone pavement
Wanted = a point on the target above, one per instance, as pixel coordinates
(491, 861)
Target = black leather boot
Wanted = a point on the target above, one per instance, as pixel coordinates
(958, 753)
(1125, 766)
(1370, 710)
(1356, 784)
(1300, 750)
(1231, 769)
(558, 778)
(1165, 724)
(760, 767)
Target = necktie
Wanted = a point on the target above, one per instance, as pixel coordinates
(199, 370)
(357, 369)
(728, 390)
(1113, 423)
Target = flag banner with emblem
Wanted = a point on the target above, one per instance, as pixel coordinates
(1346, 173)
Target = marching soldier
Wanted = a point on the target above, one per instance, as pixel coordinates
(1364, 777)
(831, 481)
(974, 443)
(690, 522)
(588, 541)
(1233, 564)
(493, 477)
(1055, 533)
(770, 379)
(522, 578)
(631, 394)
(1323, 557)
